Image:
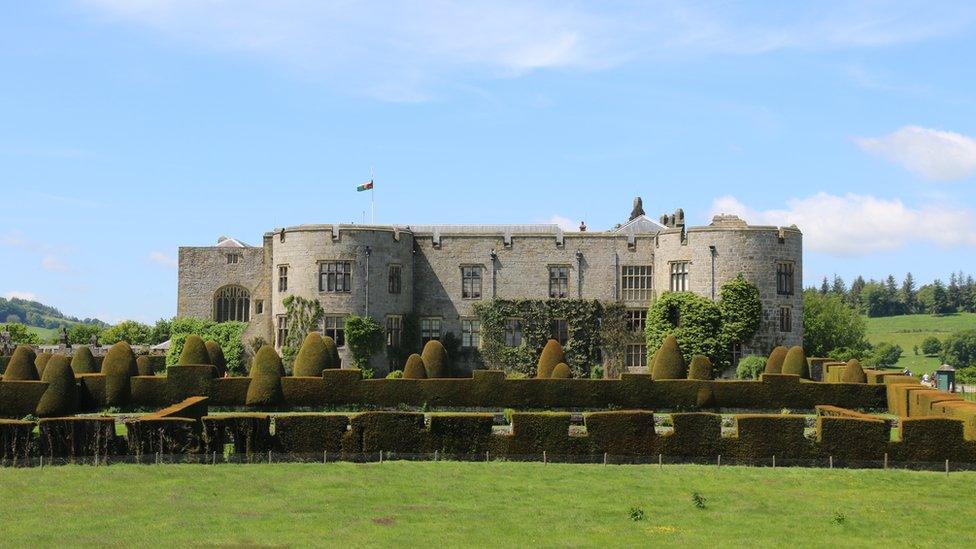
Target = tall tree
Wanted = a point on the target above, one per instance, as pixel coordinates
(909, 295)
(940, 299)
(824, 287)
(838, 287)
(954, 295)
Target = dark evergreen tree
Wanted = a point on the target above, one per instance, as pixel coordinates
(909, 296)
(854, 295)
(824, 286)
(940, 299)
(838, 287)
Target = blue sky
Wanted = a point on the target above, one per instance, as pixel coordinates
(131, 127)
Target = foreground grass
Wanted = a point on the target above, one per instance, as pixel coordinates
(911, 330)
(478, 504)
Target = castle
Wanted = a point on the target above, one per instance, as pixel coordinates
(438, 272)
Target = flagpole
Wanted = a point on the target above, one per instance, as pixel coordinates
(372, 196)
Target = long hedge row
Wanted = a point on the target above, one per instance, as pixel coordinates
(694, 435)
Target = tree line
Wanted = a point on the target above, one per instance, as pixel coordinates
(877, 298)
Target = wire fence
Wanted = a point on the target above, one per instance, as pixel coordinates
(659, 460)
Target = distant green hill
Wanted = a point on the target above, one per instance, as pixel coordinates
(910, 330)
(42, 319)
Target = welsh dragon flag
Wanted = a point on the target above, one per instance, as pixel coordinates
(365, 186)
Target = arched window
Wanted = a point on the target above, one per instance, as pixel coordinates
(232, 303)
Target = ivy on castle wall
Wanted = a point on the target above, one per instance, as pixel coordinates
(301, 317)
(583, 320)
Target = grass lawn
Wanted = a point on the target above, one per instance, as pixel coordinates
(910, 330)
(476, 504)
(46, 334)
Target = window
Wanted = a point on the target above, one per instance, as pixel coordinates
(232, 303)
(232, 259)
(334, 326)
(394, 283)
(784, 278)
(282, 330)
(785, 319)
(559, 330)
(258, 306)
(558, 282)
(394, 330)
(470, 333)
(636, 282)
(679, 276)
(636, 320)
(471, 282)
(282, 278)
(736, 354)
(335, 276)
(636, 356)
(430, 329)
(513, 332)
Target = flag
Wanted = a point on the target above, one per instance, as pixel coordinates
(365, 186)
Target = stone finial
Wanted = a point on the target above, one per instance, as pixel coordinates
(638, 209)
(582, 228)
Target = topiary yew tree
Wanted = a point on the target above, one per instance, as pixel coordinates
(561, 371)
(194, 351)
(313, 357)
(853, 373)
(796, 363)
(774, 363)
(415, 369)
(83, 362)
(334, 361)
(694, 321)
(216, 357)
(119, 366)
(700, 368)
(21, 366)
(435, 359)
(669, 364)
(265, 386)
(552, 355)
(40, 362)
(61, 396)
(145, 366)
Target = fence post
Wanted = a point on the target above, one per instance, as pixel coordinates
(544, 460)
(325, 456)
(660, 461)
(719, 464)
(269, 456)
(774, 461)
(947, 467)
(831, 462)
(436, 455)
(42, 461)
(381, 456)
(886, 460)
(486, 456)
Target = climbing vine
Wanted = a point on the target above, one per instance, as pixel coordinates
(301, 317)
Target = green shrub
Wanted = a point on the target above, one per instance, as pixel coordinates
(334, 361)
(883, 355)
(931, 346)
(561, 371)
(700, 368)
(119, 366)
(435, 359)
(750, 367)
(853, 373)
(40, 362)
(61, 396)
(414, 369)
(364, 338)
(705, 397)
(552, 354)
(796, 363)
(194, 351)
(774, 364)
(227, 334)
(694, 321)
(959, 349)
(21, 366)
(265, 386)
(395, 374)
(216, 356)
(313, 357)
(83, 362)
(668, 364)
(145, 366)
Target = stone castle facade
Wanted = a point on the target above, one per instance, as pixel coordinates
(438, 273)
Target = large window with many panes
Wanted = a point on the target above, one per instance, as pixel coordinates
(635, 281)
(335, 276)
(394, 279)
(282, 330)
(470, 333)
(784, 278)
(430, 329)
(282, 278)
(636, 356)
(394, 331)
(559, 330)
(471, 282)
(558, 281)
(334, 326)
(679, 276)
(786, 319)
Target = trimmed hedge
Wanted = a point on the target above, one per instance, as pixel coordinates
(249, 433)
(61, 396)
(552, 355)
(414, 368)
(694, 434)
(20, 398)
(144, 366)
(77, 437)
(21, 366)
(626, 433)
(853, 373)
(920, 402)
(795, 363)
(118, 367)
(561, 371)
(460, 434)
(303, 391)
(194, 351)
(313, 357)
(933, 439)
(40, 362)
(187, 380)
(194, 408)
(764, 436)
(533, 433)
(435, 359)
(16, 441)
(164, 435)
(962, 410)
(216, 358)
(700, 368)
(91, 391)
(310, 434)
(852, 438)
(401, 432)
(82, 361)
(668, 363)
(265, 386)
(774, 363)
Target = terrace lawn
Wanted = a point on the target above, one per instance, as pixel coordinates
(910, 330)
(451, 504)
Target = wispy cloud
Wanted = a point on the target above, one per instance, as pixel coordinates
(53, 263)
(15, 294)
(159, 258)
(854, 225)
(402, 50)
(933, 154)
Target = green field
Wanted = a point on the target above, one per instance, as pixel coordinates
(476, 504)
(910, 330)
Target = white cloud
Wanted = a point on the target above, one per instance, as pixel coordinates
(159, 258)
(932, 154)
(859, 224)
(564, 223)
(29, 296)
(399, 50)
(52, 263)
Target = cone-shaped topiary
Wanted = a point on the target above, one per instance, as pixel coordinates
(415, 369)
(853, 373)
(40, 361)
(144, 366)
(82, 361)
(118, 366)
(774, 364)
(561, 371)
(194, 352)
(700, 368)
(334, 360)
(265, 386)
(61, 396)
(650, 365)
(668, 363)
(312, 358)
(552, 354)
(21, 366)
(435, 359)
(796, 362)
(216, 356)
